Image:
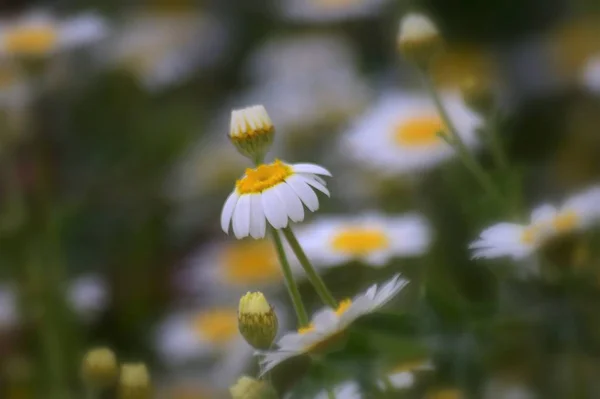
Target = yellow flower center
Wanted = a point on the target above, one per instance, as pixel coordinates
(419, 132)
(360, 241)
(529, 235)
(30, 40)
(263, 177)
(341, 309)
(250, 263)
(446, 394)
(307, 329)
(217, 326)
(565, 221)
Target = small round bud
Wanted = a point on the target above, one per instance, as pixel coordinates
(252, 132)
(418, 39)
(99, 368)
(134, 382)
(249, 388)
(257, 320)
(478, 94)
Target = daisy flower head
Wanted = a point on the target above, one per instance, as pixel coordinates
(39, 34)
(329, 324)
(252, 131)
(546, 222)
(403, 376)
(418, 38)
(591, 74)
(372, 238)
(272, 192)
(324, 11)
(401, 133)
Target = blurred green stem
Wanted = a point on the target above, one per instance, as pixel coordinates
(312, 274)
(455, 141)
(289, 280)
(492, 133)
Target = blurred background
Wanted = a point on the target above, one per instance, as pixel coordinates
(116, 163)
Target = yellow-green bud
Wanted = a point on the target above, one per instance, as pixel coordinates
(257, 320)
(99, 368)
(478, 94)
(418, 39)
(134, 382)
(249, 388)
(252, 132)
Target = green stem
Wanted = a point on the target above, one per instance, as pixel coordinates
(493, 138)
(312, 274)
(290, 282)
(455, 140)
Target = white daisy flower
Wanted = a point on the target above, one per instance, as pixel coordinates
(275, 193)
(40, 34)
(323, 11)
(88, 295)
(329, 323)
(403, 376)
(163, 48)
(372, 238)
(400, 134)
(519, 241)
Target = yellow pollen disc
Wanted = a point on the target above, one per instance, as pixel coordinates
(250, 263)
(217, 326)
(343, 307)
(565, 221)
(264, 177)
(307, 329)
(37, 40)
(360, 241)
(529, 235)
(419, 132)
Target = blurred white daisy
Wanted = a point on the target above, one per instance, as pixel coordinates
(521, 240)
(40, 34)
(329, 10)
(372, 238)
(275, 193)
(403, 376)
(345, 390)
(328, 324)
(88, 295)
(591, 74)
(401, 133)
(164, 48)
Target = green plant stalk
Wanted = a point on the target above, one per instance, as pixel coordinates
(458, 144)
(289, 281)
(493, 138)
(312, 274)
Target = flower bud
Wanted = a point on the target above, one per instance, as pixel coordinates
(478, 94)
(134, 382)
(257, 320)
(252, 132)
(99, 367)
(418, 39)
(249, 388)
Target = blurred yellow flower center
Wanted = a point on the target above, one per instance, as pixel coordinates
(250, 263)
(360, 241)
(343, 307)
(446, 394)
(529, 235)
(37, 40)
(217, 326)
(419, 132)
(565, 221)
(264, 177)
(307, 329)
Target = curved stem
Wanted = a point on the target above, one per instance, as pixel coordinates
(312, 274)
(290, 282)
(455, 140)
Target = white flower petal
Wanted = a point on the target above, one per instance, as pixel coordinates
(293, 205)
(228, 209)
(315, 184)
(303, 190)
(275, 209)
(310, 168)
(258, 223)
(241, 217)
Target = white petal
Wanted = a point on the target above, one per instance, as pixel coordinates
(258, 224)
(543, 213)
(274, 209)
(310, 168)
(241, 217)
(228, 209)
(293, 205)
(315, 184)
(306, 194)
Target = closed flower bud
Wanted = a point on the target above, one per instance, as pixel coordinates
(99, 368)
(418, 39)
(134, 382)
(249, 388)
(252, 132)
(257, 320)
(478, 94)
